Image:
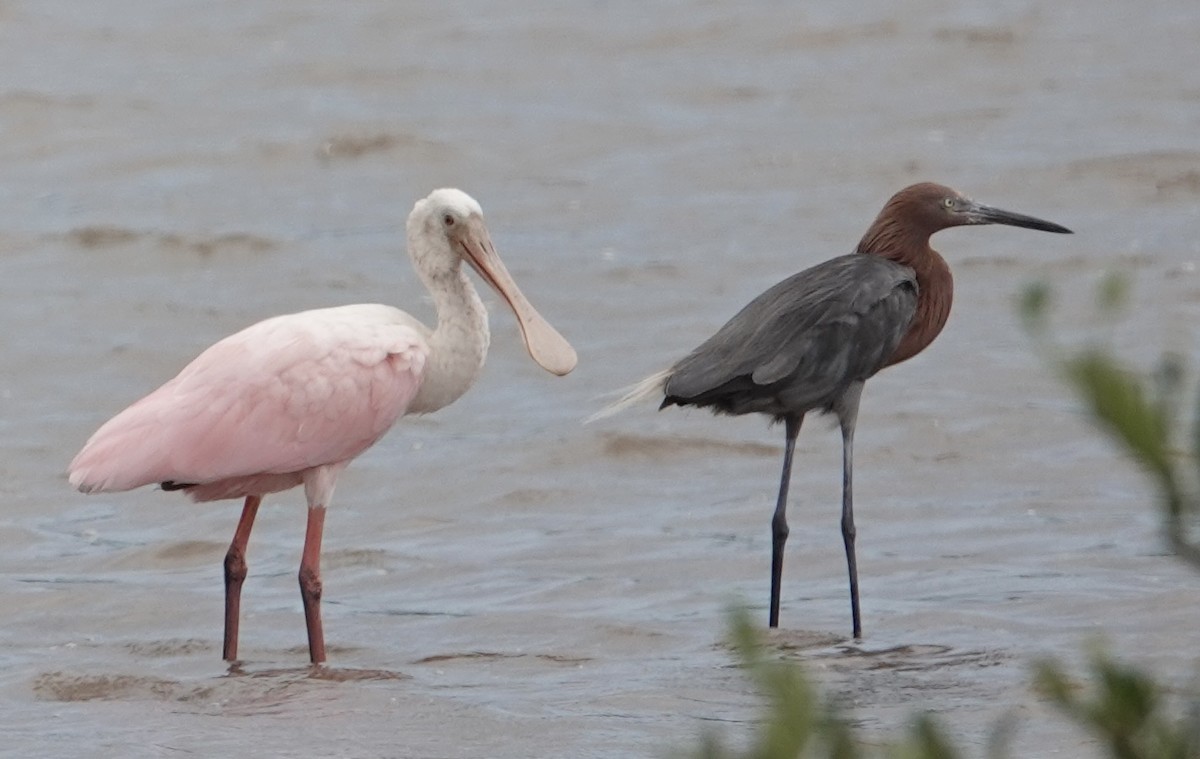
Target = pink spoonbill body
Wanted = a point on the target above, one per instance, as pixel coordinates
(293, 399)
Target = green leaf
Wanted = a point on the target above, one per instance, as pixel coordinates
(1035, 302)
(1113, 292)
(1117, 399)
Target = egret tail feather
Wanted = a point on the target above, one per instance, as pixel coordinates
(651, 387)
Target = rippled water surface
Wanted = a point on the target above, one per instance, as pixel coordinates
(500, 580)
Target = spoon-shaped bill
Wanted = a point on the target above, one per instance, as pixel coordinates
(545, 345)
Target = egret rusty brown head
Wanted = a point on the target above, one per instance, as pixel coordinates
(932, 207)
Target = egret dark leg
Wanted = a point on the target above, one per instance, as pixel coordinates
(779, 526)
(848, 417)
(310, 583)
(235, 575)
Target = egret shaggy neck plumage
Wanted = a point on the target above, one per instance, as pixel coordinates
(293, 399)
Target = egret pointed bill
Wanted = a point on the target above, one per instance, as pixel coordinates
(978, 213)
(545, 345)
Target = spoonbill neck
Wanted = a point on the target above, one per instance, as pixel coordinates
(458, 344)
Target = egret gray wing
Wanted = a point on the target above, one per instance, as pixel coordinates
(799, 345)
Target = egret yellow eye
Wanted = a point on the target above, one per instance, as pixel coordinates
(948, 203)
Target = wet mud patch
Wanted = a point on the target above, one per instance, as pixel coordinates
(653, 446)
(163, 648)
(107, 236)
(102, 236)
(326, 674)
(795, 641)
(1156, 173)
(802, 646)
(240, 691)
(879, 680)
(868, 679)
(1185, 183)
(535, 497)
(372, 558)
(340, 675)
(207, 245)
(973, 36)
(169, 555)
(414, 613)
(910, 658)
(66, 687)
(189, 551)
(334, 652)
(490, 656)
(352, 146)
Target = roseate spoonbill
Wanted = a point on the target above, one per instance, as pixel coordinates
(293, 399)
(810, 342)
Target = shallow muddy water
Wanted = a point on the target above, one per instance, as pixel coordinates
(501, 580)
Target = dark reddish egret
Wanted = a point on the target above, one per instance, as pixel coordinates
(292, 400)
(810, 342)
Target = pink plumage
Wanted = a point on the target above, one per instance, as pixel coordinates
(293, 399)
(278, 398)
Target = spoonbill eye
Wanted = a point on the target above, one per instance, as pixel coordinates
(448, 220)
